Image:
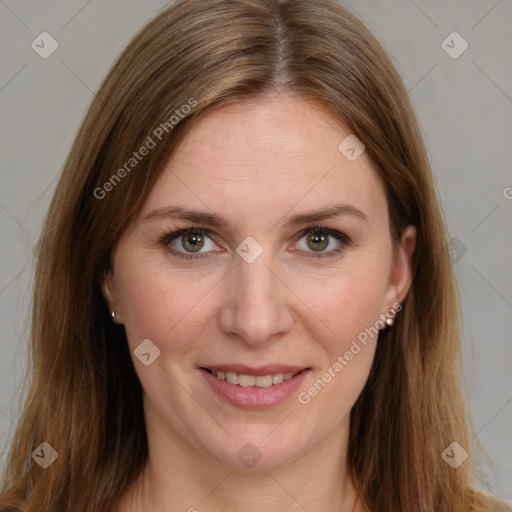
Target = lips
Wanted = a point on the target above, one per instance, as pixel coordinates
(268, 369)
(254, 388)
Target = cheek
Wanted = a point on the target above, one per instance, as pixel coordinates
(344, 326)
(169, 310)
(345, 305)
(159, 304)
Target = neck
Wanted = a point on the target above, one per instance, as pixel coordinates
(178, 478)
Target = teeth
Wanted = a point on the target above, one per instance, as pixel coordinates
(263, 381)
(277, 378)
(247, 381)
(231, 377)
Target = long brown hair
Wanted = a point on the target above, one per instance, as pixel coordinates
(84, 397)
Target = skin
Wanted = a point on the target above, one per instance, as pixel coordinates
(256, 163)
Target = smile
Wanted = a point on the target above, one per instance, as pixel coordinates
(246, 381)
(261, 390)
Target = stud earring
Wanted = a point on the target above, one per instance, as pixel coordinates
(113, 315)
(390, 320)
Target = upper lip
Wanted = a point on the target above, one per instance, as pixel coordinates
(267, 369)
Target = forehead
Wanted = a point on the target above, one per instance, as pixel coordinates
(267, 155)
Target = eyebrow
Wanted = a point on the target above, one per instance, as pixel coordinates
(217, 221)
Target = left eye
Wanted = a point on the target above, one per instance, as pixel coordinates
(318, 240)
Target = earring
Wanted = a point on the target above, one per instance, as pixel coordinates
(113, 315)
(390, 320)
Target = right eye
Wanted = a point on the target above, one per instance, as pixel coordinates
(186, 243)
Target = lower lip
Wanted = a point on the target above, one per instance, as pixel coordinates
(254, 397)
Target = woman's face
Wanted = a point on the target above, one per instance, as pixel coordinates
(255, 291)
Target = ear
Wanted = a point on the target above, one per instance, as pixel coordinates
(110, 293)
(401, 272)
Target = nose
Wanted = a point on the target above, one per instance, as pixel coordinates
(258, 304)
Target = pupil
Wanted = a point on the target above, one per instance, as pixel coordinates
(318, 239)
(193, 242)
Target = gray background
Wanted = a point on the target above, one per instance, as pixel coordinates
(464, 106)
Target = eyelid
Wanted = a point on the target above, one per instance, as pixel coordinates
(169, 236)
(324, 229)
(319, 228)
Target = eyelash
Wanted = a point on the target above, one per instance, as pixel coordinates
(341, 237)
